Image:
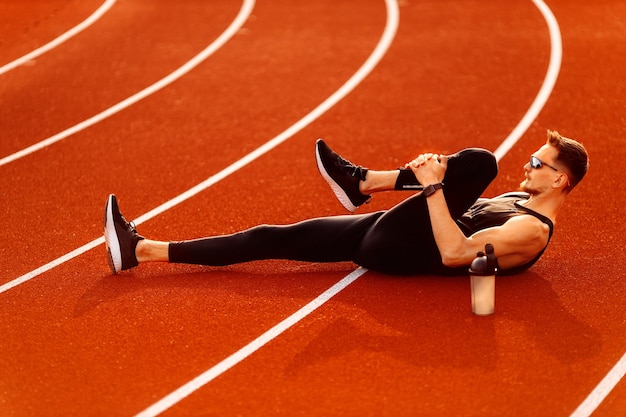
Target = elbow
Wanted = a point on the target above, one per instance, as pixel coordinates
(452, 259)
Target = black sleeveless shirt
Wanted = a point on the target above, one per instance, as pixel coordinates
(492, 212)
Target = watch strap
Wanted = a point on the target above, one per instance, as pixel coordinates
(430, 190)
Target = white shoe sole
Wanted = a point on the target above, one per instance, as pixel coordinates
(114, 252)
(339, 192)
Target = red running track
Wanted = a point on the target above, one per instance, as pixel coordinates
(77, 341)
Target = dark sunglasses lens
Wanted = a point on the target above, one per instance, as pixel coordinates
(535, 163)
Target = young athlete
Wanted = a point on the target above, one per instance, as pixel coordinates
(438, 230)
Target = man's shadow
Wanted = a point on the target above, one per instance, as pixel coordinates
(427, 321)
(271, 278)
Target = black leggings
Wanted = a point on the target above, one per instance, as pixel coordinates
(395, 241)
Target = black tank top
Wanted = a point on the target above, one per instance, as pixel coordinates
(497, 211)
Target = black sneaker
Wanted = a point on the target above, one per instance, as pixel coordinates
(120, 236)
(342, 176)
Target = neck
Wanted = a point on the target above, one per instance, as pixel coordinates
(548, 205)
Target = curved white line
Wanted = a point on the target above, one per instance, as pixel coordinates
(64, 37)
(241, 18)
(602, 390)
(198, 382)
(556, 54)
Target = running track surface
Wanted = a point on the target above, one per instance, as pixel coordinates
(77, 341)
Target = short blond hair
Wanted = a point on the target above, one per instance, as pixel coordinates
(572, 155)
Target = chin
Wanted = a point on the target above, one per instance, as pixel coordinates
(527, 189)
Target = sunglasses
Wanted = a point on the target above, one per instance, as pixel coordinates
(536, 163)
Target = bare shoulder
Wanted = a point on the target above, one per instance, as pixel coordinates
(522, 237)
(517, 241)
(528, 227)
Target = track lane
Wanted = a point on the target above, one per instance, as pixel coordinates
(32, 55)
(134, 46)
(27, 26)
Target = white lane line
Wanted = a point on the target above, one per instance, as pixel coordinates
(602, 390)
(58, 41)
(241, 18)
(608, 383)
(556, 54)
(344, 90)
(50, 265)
(198, 382)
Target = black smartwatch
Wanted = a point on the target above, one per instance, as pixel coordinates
(430, 190)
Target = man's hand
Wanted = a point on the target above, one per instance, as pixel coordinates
(429, 168)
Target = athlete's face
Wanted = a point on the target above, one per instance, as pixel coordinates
(542, 171)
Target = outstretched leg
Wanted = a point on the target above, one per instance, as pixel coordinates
(327, 239)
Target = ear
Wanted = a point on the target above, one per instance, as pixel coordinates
(561, 180)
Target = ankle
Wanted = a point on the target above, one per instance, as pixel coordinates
(141, 251)
(364, 187)
(152, 251)
(376, 181)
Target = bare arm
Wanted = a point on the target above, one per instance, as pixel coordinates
(516, 242)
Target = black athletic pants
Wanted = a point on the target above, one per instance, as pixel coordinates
(395, 241)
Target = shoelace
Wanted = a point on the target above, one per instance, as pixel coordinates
(353, 170)
(131, 227)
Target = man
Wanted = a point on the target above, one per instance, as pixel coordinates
(438, 230)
